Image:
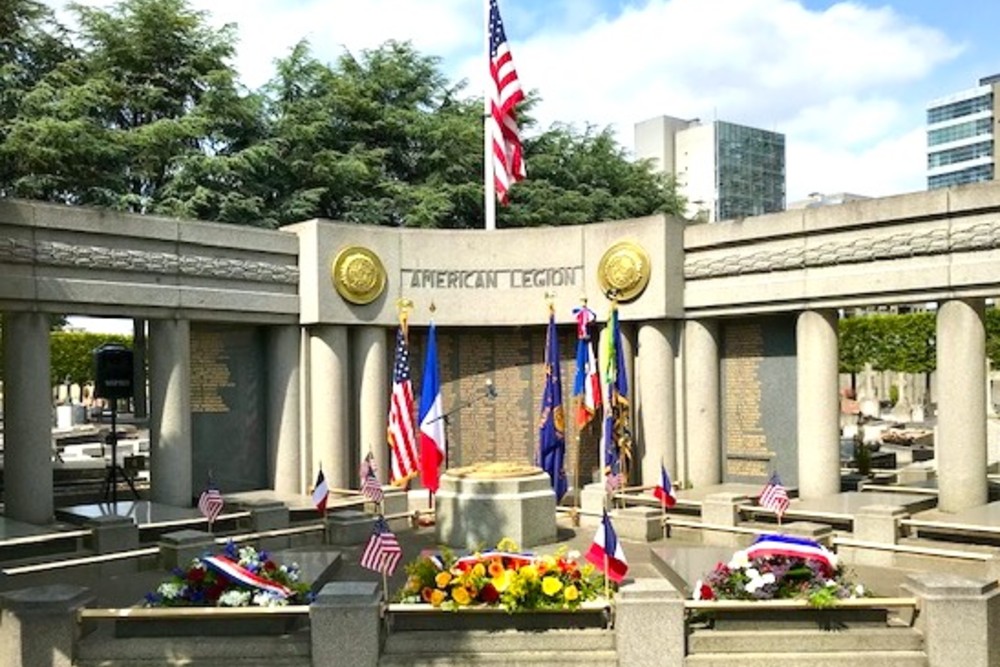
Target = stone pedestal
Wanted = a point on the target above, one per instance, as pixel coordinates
(957, 617)
(592, 498)
(38, 626)
(650, 624)
(269, 515)
(179, 548)
(112, 533)
(642, 524)
(476, 507)
(345, 624)
(347, 527)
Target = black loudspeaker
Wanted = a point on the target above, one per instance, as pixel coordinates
(113, 371)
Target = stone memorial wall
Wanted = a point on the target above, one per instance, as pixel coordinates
(759, 408)
(504, 428)
(228, 395)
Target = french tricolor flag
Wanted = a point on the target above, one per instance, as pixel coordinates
(791, 546)
(664, 491)
(432, 435)
(606, 552)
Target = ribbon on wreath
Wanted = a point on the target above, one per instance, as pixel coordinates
(236, 572)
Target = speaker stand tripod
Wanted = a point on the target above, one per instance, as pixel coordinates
(113, 470)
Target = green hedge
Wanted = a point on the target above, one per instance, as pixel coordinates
(903, 343)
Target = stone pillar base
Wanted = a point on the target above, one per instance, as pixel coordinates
(476, 512)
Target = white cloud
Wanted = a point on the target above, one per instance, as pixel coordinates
(893, 165)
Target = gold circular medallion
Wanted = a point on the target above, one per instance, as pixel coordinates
(358, 275)
(624, 270)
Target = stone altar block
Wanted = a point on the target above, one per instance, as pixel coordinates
(479, 505)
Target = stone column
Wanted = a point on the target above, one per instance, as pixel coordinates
(960, 448)
(170, 406)
(957, 618)
(701, 391)
(346, 625)
(27, 411)
(655, 423)
(284, 441)
(38, 626)
(818, 404)
(328, 387)
(370, 356)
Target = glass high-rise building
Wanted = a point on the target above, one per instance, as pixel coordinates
(726, 171)
(961, 141)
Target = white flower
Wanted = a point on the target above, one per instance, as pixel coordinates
(573, 555)
(739, 560)
(170, 590)
(859, 591)
(234, 599)
(757, 580)
(830, 583)
(268, 599)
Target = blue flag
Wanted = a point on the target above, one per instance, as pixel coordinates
(552, 432)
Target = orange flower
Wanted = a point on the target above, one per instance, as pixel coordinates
(496, 568)
(437, 597)
(442, 579)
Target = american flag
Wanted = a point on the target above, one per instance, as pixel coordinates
(405, 464)
(371, 488)
(506, 93)
(382, 552)
(774, 496)
(210, 502)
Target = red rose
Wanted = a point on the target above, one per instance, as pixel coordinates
(489, 594)
(706, 592)
(269, 566)
(195, 575)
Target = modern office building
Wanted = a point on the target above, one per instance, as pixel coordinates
(961, 141)
(726, 171)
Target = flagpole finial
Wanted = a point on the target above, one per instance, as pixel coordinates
(550, 299)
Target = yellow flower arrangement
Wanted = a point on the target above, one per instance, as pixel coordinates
(502, 578)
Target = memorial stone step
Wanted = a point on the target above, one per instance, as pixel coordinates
(817, 659)
(805, 641)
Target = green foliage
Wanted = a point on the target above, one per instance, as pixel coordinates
(72, 354)
(145, 115)
(903, 343)
(105, 126)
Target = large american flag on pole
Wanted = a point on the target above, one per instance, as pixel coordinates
(405, 464)
(508, 160)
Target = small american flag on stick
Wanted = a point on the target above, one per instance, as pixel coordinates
(774, 496)
(382, 552)
(210, 502)
(371, 488)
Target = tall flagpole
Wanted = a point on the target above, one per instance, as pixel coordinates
(489, 185)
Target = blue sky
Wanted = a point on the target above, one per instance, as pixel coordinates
(846, 82)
